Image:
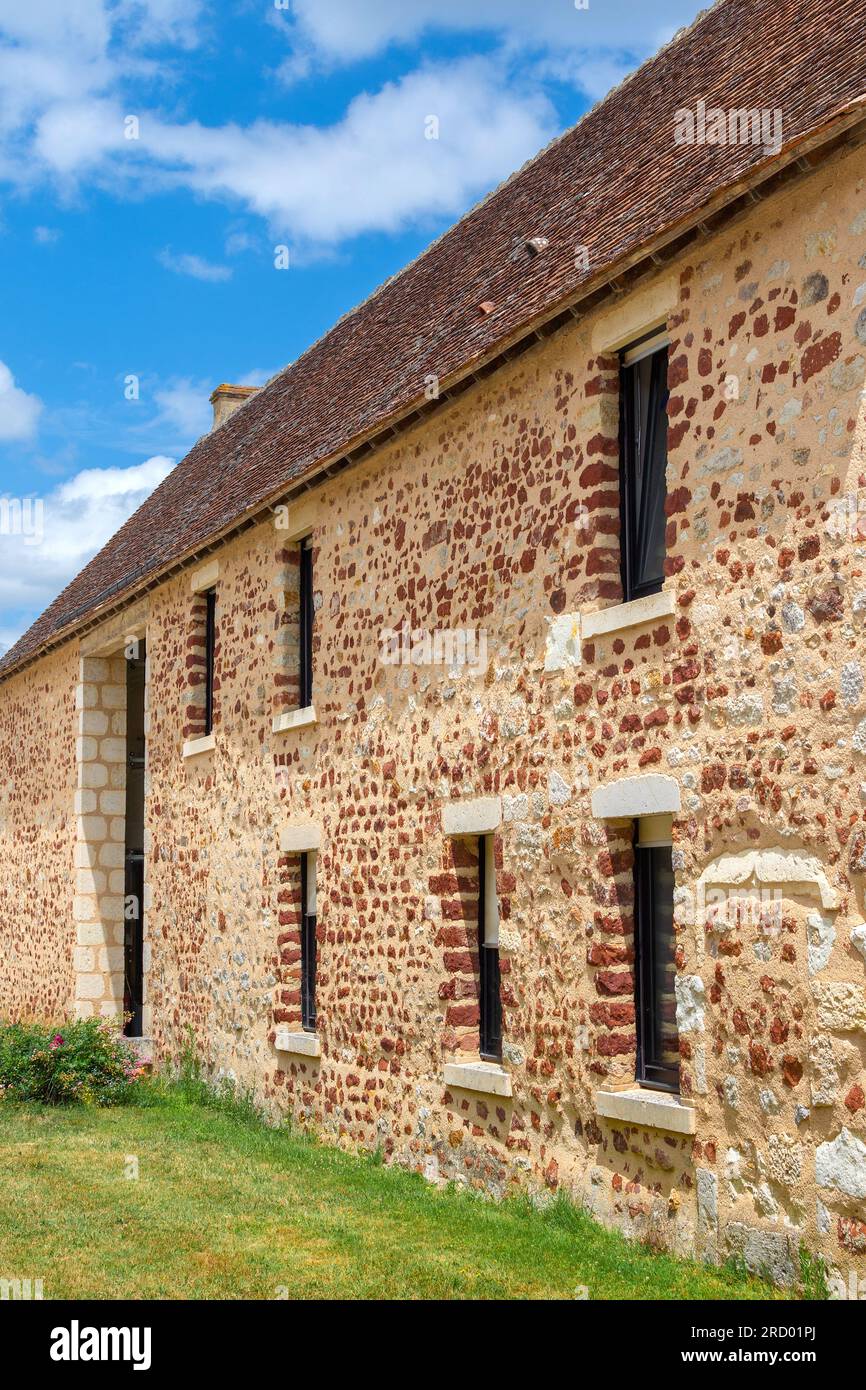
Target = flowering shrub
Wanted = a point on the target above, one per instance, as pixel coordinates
(88, 1061)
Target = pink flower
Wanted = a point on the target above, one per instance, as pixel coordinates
(57, 1041)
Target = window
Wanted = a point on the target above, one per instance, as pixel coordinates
(655, 969)
(209, 648)
(643, 461)
(490, 1025)
(306, 624)
(308, 942)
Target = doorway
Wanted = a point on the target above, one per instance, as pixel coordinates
(133, 936)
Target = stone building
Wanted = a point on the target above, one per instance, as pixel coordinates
(466, 743)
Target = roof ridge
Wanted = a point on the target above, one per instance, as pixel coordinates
(587, 181)
(492, 193)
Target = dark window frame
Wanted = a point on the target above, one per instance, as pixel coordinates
(308, 950)
(638, 581)
(651, 1069)
(489, 998)
(305, 582)
(209, 658)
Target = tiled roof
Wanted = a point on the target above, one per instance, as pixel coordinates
(613, 183)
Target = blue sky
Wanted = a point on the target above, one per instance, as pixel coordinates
(153, 156)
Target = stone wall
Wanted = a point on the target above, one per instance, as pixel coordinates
(501, 516)
(38, 728)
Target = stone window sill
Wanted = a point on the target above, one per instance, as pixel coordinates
(485, 1077)
(294, 719)
(194, 746)
(302, 1044)
(625, 615)
(656, 1109)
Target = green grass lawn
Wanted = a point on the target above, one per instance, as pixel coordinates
(226, 1208)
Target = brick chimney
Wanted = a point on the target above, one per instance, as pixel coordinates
(226, 399)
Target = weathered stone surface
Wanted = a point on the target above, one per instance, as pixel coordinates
(841, 1164)
(841, 1006)
(769, 1252)
(784, 1159)
(824, 1074)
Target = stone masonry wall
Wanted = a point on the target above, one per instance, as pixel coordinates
(501, 515)
(38, 729)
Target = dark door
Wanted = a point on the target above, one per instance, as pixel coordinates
(133, 943)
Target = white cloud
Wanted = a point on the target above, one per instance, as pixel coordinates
(39, 556)
(188, 263)
(63, 106)
(389, 175)
(71, 73)
(612, 35)
(19, 412)
(46, 236)
(184, 406)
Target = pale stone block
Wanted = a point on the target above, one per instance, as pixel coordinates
(113, 697)
(628, 797)
(479, 816)
(112, 750)
(85, 907)
(83, 1009)
(841, 1006)
(86, 749)
(296, 839)
(84, 853)
(115, 932)
(89, 881)
(621, 616)
(93, 775)
(94, 669)
(194, 746)
(111, 1008)
(840, 1163)
(83, 959)
(562, 648)
(86, 696)
(117, 881)
(111, 856)
(485, 1077)
(303, 1044)
(635, 315)
(118, 723)
(298, 520)
(205, 577)
(92, 828)
(112, 803)
(111, 908)
(90, 934)
(117, 776)
(93, 722)
(293, 719)
(766, 867)
(83, 802)
(89, 986)
(111, 959)
(117, 829)
(656, 1109)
